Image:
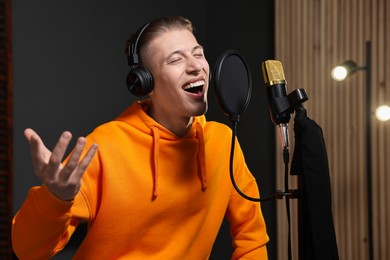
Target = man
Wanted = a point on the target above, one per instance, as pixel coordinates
(158, 187)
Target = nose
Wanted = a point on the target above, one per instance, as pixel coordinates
(194, 65)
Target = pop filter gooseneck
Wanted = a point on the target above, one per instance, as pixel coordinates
(233, 86)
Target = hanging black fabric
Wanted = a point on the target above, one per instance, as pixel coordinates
(317, 239)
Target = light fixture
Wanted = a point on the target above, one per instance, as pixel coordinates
(340, 73)
(382, 113)
(345, 69)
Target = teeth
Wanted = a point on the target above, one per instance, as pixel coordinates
(194, 84)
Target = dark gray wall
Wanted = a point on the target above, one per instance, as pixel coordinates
(70, 68)
(249, 28)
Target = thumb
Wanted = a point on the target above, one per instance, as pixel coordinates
(29, 134)
(38, 150)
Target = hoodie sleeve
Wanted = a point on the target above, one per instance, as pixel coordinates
(247, 225)
(43, 225)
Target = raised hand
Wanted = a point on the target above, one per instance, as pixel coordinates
(64, 181)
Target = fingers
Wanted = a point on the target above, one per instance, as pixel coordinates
(63, 182)
(74, 158)
(75, 168)
(85, 161)
(59, 152)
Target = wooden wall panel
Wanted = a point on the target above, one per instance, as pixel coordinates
(312, 36)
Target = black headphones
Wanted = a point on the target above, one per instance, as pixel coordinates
(139, 80)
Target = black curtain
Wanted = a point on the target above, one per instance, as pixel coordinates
(317, 239)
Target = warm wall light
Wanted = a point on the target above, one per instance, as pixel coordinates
(347, 68)
(342, 71)
(339, 73)
(382, 113)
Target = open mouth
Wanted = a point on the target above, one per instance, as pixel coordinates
(195, 87)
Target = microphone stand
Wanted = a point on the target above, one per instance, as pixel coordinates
(298, 194)
(289, 194)
(295, 99)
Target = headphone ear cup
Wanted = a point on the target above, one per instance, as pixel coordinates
(139, 81)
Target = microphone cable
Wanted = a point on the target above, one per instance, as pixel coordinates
(279, 194)
(234, 131)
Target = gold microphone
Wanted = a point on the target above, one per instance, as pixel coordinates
(273, 72)
(277, 97)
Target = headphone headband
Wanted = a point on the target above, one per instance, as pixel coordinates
(133, 47)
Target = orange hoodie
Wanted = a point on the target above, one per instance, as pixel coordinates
(148, 194)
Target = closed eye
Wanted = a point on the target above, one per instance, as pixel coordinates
(173, 61)
(200, 55)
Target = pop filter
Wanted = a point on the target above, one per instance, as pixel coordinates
(232, 83)
(233, 86)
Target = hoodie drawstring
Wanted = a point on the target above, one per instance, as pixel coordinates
(201, 155)
(156, 151)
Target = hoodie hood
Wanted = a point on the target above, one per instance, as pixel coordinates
(136, 115)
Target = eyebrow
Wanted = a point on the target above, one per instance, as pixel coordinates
(197, 47)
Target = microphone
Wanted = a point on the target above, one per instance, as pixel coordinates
(279, 104)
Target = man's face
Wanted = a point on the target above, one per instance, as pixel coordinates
(180, 72)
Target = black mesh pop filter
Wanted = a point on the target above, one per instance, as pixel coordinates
(232, 83)
(233, 86)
